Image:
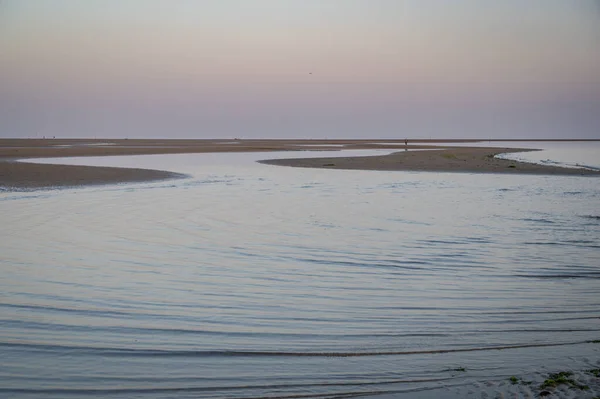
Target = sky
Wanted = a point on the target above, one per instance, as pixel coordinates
(300, 68)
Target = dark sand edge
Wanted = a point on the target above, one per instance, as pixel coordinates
(25, 176)
(457, 159)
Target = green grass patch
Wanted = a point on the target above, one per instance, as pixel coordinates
(449, 156)
(595, 372)
(562, 378)
(515, 380)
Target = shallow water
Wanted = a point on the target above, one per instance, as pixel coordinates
(565, 154)
(249, 280)
(571, 155)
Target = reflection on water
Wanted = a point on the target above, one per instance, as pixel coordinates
(580, 155)
(248, 280)
(564, 154)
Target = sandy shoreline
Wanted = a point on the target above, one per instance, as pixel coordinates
(464, 159)
(30, 176)
(441, 158)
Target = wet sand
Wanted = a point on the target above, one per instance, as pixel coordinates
(29, 176)
(23, 175)
(36, 148)
(458, 159)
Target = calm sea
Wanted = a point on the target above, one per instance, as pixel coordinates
(250, 281)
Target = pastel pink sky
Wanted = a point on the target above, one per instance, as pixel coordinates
(299, 68)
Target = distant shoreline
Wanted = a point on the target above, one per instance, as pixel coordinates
(48, 148)
(442, 157)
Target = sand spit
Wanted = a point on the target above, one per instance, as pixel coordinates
(16, 176)
(458, 159)
(442, 157)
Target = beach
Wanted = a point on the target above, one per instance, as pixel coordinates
(299, 199)
(23, 175)
(246, 280)
(459, 159)
(440, 156)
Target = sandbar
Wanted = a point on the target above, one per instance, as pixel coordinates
(458, 159)
(441, 156)
(17, 176)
